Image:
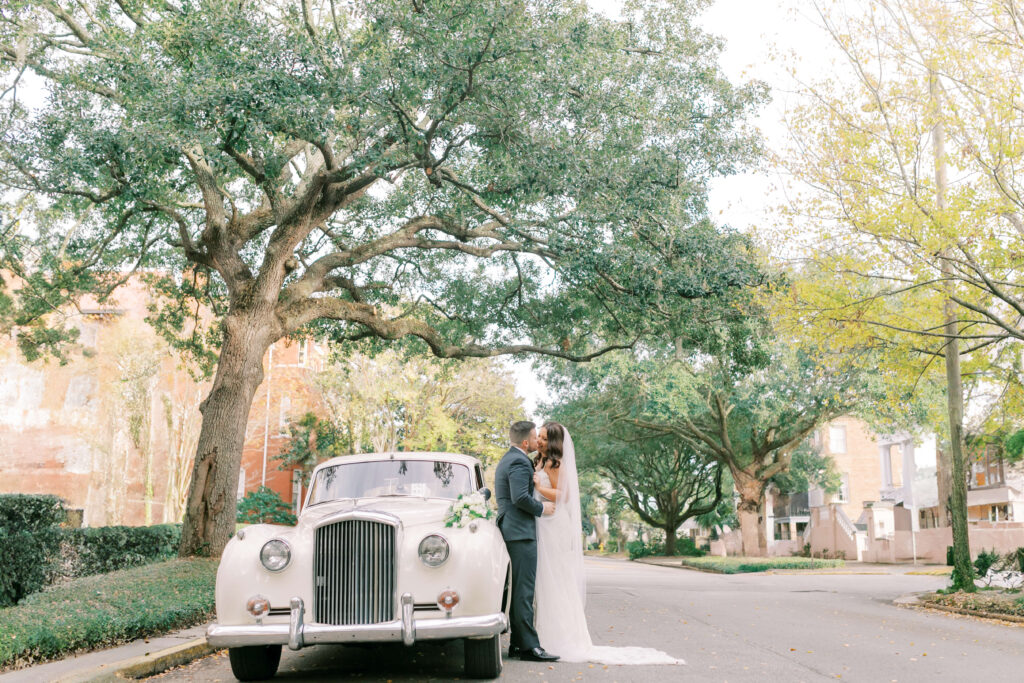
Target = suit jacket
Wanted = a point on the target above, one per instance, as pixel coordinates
(518, 510)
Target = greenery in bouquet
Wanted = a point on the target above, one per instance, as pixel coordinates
(466, 508)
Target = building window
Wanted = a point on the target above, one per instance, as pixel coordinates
(240, 494)
(284, 408)
(987, 469)
(837, 438)
(1000, 513)
(843, 496)
(303, 352)
(296, 490)
(782, 531)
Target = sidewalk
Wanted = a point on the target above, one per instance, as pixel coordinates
(851, 567)
(102, 664)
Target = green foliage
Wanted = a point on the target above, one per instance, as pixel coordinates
(37, 550)
(388, 400)
(31, 543)
(107, 609)
(546, 166)
(312, 440)
(740, 565)
(985, 560)
(1013, 447)
(98, 550)
(684, 546)
(808, 469)
(265, 506)
(31, 513)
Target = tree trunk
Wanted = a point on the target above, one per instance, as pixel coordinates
(210, 510)
(964, 573)
(670, 541)
(749, 513)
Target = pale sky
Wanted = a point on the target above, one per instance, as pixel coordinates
(753, 30)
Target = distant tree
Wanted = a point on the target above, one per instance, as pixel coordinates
(750, 420)
(482, 176)
(660, 478)
(908, 151)
(389, 401)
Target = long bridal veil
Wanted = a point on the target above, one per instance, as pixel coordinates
(562, 585)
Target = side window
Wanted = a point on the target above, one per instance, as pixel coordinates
(479, 478)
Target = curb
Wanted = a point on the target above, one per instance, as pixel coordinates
(988, 616)
(145, 665)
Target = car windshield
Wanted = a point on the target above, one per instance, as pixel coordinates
(421, 478)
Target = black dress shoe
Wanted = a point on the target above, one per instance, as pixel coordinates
(514, 651)
(537, 654)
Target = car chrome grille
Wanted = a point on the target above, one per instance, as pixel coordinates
(354, 573)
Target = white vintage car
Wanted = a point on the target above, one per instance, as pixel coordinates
(370, 561)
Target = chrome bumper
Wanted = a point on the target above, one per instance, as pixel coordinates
(296, 634)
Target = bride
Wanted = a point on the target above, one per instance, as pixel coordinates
(561, 585)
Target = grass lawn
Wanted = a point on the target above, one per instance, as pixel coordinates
(107, 609)
(740, 565)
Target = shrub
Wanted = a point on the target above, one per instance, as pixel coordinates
(108, 548)
(107, 609)
(264, 506)
(685, 547)
(985, 560)
(638, 548)
(1017, 556)
(30, 540)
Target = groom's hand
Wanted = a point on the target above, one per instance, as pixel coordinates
(549, 507)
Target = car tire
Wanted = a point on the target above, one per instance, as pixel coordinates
(483, 657)
(255, 662)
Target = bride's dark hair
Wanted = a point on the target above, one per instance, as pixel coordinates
(556, 437)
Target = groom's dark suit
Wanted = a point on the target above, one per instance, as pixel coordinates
(518, 511)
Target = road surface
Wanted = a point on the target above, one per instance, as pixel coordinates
(747, 627)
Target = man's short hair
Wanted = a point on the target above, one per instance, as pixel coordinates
(520, 431)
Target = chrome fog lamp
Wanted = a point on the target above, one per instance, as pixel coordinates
(275, 555)
(433, 550)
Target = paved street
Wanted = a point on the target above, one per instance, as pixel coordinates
(785, 627)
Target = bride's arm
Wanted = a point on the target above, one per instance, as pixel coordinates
(549, 493)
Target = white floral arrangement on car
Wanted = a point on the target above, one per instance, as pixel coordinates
(466, 508)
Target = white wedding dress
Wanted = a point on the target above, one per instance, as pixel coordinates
(561, 588)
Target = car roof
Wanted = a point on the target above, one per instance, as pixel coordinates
(458, 458)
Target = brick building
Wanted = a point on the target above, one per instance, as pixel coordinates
(113, 431)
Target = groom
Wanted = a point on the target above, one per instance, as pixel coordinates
(518, 511)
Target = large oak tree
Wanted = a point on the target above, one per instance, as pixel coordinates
(483, 176)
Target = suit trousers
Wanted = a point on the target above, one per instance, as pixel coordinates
(523, 555)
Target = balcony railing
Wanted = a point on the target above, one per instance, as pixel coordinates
(793, 505)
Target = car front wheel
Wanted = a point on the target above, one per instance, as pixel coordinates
(483, 657)
(254, 663)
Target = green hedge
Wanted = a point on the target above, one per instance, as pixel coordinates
(740, 565)
(36, 550)
(685, 547)
(30, 540)
(107, 609)
(107, 548)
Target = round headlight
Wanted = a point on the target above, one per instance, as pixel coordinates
(275, 555)
(433, 550)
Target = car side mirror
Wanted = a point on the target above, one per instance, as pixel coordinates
(486, 492)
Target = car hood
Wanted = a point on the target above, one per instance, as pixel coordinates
(412, 511)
